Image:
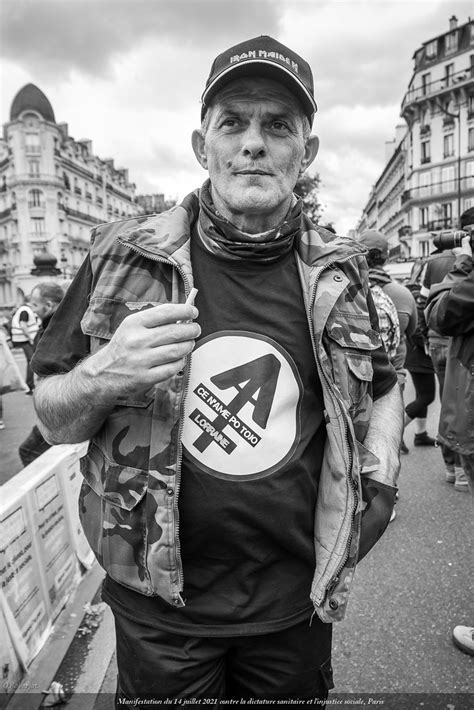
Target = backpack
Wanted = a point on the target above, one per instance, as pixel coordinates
(388, 320)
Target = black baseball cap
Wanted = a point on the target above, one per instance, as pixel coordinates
(373, 239)
(264, 56)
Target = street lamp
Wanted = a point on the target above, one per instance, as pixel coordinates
(64, 263)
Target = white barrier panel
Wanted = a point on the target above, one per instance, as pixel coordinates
(12, 658)
(20, 576)
(41, 545)
(71, 480)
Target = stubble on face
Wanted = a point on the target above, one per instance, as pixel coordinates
(254, 149)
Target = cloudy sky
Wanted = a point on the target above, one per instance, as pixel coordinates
(128, 74)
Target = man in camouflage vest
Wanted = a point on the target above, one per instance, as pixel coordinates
(243, 451)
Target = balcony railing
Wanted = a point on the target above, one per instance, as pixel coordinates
(426, 159)
(444, 187)
(32, 149)
(40, 205)
(5, 213)
(437, 224)
(82, 215)
(435, 87)
(448, 121)
(425, 130)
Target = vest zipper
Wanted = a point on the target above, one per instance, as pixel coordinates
(177, 598)
(335, 579)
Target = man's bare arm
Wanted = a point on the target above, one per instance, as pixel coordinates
(384, 435)
(147, 348)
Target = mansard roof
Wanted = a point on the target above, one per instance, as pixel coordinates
(31, 98)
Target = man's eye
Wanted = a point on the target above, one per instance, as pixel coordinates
(280, 126)
(229, 122)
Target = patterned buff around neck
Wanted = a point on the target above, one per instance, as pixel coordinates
(221, 237)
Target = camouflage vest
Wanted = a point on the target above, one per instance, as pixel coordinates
(129, 498)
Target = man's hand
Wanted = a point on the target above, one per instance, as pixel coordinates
(148, 347)
(465, 247)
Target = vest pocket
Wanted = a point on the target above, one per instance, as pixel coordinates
(112, 507)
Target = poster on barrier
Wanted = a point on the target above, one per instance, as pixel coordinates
(13, 652)
(21, 577)
(53, 540)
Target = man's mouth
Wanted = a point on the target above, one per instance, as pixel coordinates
(252, 172)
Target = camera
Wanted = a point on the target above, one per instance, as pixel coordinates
(453, 239)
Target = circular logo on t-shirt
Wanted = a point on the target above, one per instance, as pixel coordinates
(242, 408)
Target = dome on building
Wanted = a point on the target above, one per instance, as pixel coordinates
(31, 98)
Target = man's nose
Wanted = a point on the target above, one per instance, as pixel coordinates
(253, 144)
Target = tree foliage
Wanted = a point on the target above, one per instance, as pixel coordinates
(307, 188)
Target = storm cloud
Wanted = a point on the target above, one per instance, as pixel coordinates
(57, 36)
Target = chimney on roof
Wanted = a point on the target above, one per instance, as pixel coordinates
(453, 22)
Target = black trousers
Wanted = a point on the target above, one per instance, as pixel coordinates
(28, 349)
(33, 446)
(159, 665)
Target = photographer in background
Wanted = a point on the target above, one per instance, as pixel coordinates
(450, 310)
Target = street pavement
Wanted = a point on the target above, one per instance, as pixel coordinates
(411, 590)
(408, 594)
(18, 417)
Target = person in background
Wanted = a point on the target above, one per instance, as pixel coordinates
(223, 484)
(450, 311)
(404, 303)
(5, 338)
(44, 300)
(420, 366)
(434, 271)
(24, 327)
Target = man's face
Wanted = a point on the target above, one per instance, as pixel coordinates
(254, 149)
(38, 305)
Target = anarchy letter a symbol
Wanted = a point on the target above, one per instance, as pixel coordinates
(259, 375)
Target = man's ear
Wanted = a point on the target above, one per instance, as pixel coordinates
(310, 152)
(198, 141)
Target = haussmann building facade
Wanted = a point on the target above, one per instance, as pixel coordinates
(53, 190)
(428, 179)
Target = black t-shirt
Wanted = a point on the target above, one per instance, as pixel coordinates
(253, 442)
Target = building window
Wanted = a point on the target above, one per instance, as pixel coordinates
(470, 106)
(425, 82)
(448, 74)
(448, 145)
(470, 139)
(469, 175)
(446, 215)
(32, 142)
(423, 217)
(425, 248)
(37, 224)
(431, 49)
(447, 179)
(451, 42)
(35, 198)
(425, 152)
(33, 168)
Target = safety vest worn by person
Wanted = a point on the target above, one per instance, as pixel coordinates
(18, 335)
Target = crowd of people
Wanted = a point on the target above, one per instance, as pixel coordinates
(23, 330)
(436, 325)
(241, 463)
